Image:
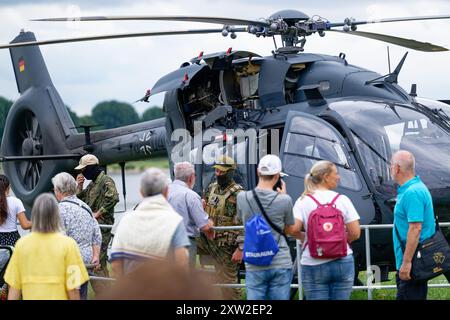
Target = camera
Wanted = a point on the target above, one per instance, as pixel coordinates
(277, 185)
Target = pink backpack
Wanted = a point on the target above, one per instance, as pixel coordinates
(327, 236)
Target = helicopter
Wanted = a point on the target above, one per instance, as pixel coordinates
(306, 107)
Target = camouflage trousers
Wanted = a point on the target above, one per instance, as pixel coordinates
(227, 271)
(102, 271)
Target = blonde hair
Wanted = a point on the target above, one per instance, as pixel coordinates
(316, 176)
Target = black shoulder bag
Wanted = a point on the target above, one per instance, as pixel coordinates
(432, 256)
(88, 210)
(273, 225)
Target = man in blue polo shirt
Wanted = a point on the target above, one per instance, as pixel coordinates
(414, 221)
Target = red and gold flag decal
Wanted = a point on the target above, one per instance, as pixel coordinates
(21, 65)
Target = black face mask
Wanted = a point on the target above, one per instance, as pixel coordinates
(225, 179)
(91, 172)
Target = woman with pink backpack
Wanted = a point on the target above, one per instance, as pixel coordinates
(331, 223)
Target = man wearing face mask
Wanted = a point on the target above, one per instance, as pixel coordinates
(101, 196)
(220, 205)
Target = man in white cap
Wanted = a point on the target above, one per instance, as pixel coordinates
(101, 196)
(270, 282)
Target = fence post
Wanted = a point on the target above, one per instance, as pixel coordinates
(368, 265)
(369, 272)
(299, 271)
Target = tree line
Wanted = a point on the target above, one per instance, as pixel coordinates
(107, 114)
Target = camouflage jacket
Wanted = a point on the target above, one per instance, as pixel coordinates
(101, 195)
(224, 212)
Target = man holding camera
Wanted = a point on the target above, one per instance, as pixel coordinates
(270, 282)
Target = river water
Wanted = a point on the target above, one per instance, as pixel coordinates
(132, 185)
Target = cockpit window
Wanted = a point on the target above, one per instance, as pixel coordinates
(381, 130)
(310, 126)
(309, 141)
(316, 147)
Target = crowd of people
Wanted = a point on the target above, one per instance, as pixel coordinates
(173, 225)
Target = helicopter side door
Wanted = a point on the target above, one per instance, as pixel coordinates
(308, 139)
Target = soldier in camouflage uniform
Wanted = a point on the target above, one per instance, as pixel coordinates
(101, 196)
(221, 208)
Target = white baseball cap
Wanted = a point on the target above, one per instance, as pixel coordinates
(270, 165)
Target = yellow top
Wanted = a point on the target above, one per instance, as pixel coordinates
(45, 266)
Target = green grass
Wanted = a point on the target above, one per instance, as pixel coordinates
(91, 292)
(157, 162)
(377, 294)
(390, 294)
(161, 162)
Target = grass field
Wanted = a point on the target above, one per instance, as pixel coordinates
(161, 162)
(390, 294)
(377, 294)
(139, 166)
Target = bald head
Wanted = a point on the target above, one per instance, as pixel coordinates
(405, 161)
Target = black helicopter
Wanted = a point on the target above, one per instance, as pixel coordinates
(305, 106)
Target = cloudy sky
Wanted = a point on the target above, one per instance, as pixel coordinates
(90, 72)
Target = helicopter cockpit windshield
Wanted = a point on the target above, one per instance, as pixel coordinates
(214, 150)
(381, 129)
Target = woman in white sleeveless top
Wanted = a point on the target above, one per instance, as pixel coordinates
(326, 279)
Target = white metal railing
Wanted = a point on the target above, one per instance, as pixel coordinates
(369, 274)
(369, 287)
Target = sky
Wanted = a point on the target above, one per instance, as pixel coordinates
(90, 72)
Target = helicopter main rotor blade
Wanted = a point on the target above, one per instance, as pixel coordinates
(224, 21)
(437, 17)
(408, 43)
(117, 36)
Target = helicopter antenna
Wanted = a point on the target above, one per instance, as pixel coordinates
(389, 59)
(275, 42)
(393, 76)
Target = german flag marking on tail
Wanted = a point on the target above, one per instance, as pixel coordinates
(21, 64)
